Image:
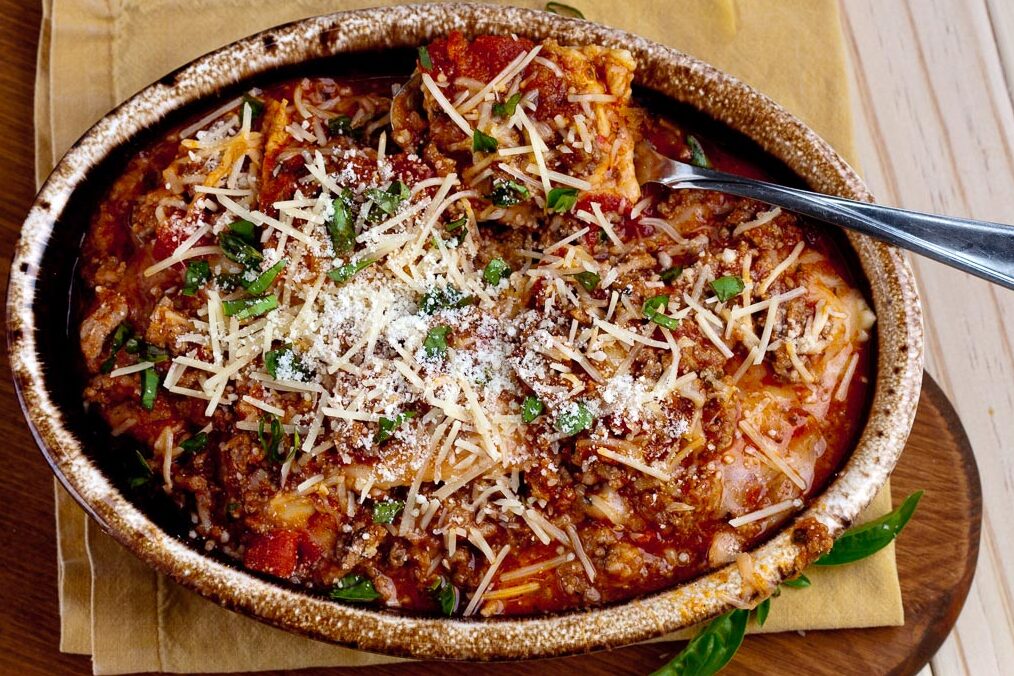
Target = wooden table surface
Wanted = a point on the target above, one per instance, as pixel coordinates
(933, 102)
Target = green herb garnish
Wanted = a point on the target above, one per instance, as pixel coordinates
(727, 287)
(388, 200)
(149, 388)
(495, 270)
(435, 345)
(195, 444)
(760, 613)
(564, 10)
(154, 354)
(340, 227)
(386, 510)
(561, 200)
(578, 419)
(483, 143)
(246, 230)
(870, 538)
(249, 307)
(712, 649)
(264, 280)
(270, 444)
(341, 125)
(589, 280)
(447, 595)
(198, 272)
(354, 587)
(457, 229)
(290, 362)
(344, 273)
(389, 425)
(120, 337)
(507, 193)
(441, 299)
(531, 408)
(801, 582)
(697, 156)
(255, 104)
(424, 58)
(143, 472)
(238, 248)
(653, 310)
(507, 108)
(672, 274)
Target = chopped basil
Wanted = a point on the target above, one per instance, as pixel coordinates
(495, 270)
(483, 143)
(246, 230)
(672, 274)
(507, 108)
(727, 287)
(154, 354)
(149, 388)
(134, 345)
(576, 420)
(652, 310)
(249, 307)
(142, 473)
(447, 595)
(564, 10)
(264, 280)
(195, 444)
(507, 193)
(198, 272)
(589, 280)
(270, 444)
(697, 156)
(388, 200)
(457, 229)
(228, 282)
(561, 200)
(435, 345)
(386, 510)
(290, 362)
(760, 613)
(862, 541)
(424, 59)
(340, 227)
(531, 408)
(354, 587)
(712, 649)
(341, 125)
(237, 248)
(344, 273)
(441, 299)
(389, 425)
(801, 582)
(120, 337)
(256, 106)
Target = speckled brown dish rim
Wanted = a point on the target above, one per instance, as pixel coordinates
(683, 78)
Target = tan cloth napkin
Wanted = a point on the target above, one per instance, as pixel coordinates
(95, 53)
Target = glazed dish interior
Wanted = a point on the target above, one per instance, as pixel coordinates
(416, 338)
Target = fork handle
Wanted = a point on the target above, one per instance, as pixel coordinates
(981, 248)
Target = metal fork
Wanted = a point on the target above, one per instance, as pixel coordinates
(981, 248)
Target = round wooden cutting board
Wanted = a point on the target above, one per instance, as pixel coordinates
(936, 559)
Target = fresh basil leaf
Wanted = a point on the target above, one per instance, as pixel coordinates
(141, 472)
(386, 510)
(727, 287)
(271, 444)
(255, 104)
(246, 230)
(589, 280)
(389, 425)
(292, 367)
(198, 272)
(341, 125)
(344, 273)
(760, 613)
(672, 274)
(424, 58)
(507, 108)
(712, 649)
(575, 420)
(801, 582)
(149, 388)
(561, 200)
(435, 344)
(531, 408)
(340, 227)
(120, 337)
(447, 596)
(437, 299)
(652, 308)
(507, 193)
(483, 143)
(495, 270)
(697, 156)
(249, 307)
(354, 587)
(388, 200)
(195, 444)
(261, 283)
(870, 538)
(564, 10)
(237, 248)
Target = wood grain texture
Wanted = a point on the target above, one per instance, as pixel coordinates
(934, 114)
(935, 124)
